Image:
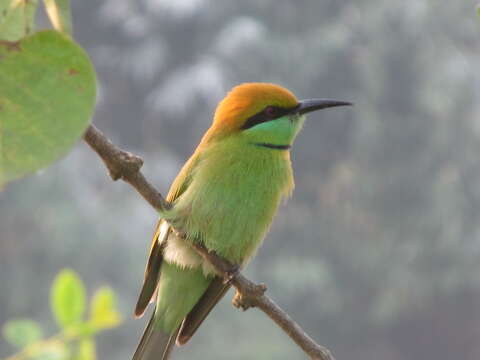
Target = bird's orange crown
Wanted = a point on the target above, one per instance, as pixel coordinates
(244, 101)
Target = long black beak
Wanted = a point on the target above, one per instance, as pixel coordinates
(309, 105)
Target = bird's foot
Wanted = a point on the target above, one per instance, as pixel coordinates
(231, 274)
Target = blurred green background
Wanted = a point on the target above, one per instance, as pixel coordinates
(377, 254)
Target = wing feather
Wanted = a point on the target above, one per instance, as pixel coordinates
(152, 270)
(155, 259)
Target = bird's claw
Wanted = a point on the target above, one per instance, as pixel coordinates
(231, 274)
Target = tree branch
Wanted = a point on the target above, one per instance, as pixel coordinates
(126, 166)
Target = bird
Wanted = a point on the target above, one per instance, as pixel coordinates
(225, 198)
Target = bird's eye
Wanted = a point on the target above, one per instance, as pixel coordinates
(270, 111)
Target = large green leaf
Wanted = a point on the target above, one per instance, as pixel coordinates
(22, 332)
(47, 96)
(4, 5)
(68, 299)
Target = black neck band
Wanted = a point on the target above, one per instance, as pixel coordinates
(273, 146)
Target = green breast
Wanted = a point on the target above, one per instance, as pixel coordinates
(235, 191)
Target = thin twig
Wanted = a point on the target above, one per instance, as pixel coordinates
(126, 166)
(32, 349)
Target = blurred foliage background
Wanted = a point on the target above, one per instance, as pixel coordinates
(377, 254)
(77, 318)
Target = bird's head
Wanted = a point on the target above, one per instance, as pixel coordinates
(263, 114)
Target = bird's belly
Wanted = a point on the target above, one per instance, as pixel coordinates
(178, 252)
(230, 205)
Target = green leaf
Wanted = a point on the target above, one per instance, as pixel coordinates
(103, 312)
(22, 332)
(68, 299)
(47, 96)
(86, 350)
(17, 19)
(60, 15)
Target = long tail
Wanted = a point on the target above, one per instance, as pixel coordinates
(154, 344)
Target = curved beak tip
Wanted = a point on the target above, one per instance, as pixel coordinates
(309, 105)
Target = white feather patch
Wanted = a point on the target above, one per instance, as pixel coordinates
(179, 253)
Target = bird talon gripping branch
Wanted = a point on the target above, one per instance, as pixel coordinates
(231, 274)
(227, 193)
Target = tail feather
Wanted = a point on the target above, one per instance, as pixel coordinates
(155, 344)
(214, 293)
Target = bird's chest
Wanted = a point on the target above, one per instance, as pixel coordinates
(232, 200)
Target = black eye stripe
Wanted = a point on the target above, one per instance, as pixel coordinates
(262, 116)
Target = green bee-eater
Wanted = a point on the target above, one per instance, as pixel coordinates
(225, 197)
